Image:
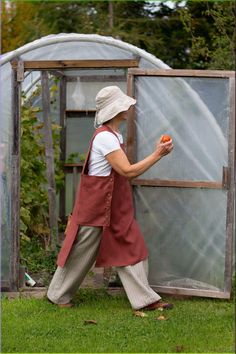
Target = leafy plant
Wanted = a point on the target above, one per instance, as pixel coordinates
(34, 216)
(73, 156)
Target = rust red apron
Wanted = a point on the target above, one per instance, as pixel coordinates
(106, 201)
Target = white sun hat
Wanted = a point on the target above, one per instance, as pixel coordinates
(109, 102)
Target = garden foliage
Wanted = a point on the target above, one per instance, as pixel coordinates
(189, 34)
(34, 215)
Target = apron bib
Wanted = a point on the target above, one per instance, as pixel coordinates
(106, 201)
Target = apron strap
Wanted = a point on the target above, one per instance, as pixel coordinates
(97, 131)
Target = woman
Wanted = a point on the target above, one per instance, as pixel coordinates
(102, 227)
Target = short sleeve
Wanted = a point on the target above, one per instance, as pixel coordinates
(105, 142)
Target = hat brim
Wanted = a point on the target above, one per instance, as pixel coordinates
(110, 111)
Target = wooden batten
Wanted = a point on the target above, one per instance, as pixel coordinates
(20, 71)
(230, 220)
(181, 73)
(73, 64)
(131, 127)
(176, 183)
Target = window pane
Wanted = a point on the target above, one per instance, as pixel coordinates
(81, 92)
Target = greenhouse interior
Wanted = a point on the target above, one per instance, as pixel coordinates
(184, 204)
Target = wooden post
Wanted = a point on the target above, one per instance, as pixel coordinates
(131, 127)
(62, 208)
(49, 153)
(231, 189)
(15, 185)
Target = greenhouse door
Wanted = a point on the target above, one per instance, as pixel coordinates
(184, 203)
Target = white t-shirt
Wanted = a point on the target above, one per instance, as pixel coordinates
(103, 143)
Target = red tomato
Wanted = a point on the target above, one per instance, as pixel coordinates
(165, 138)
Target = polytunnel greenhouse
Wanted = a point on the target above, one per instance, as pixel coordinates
(185, 203)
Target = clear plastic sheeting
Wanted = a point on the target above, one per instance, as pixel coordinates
(79, 132)
(195, 112)
(81, 92)
(185, 228)
(70, 192)
(185, 233)
(31, 80)
(5, 192)
(5, 178)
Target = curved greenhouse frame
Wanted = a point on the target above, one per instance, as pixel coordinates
(185, 203)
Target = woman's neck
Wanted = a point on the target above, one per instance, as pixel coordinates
(113, 125)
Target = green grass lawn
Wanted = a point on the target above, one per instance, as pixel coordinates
(193, 325)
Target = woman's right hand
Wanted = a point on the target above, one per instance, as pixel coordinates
(163, 149)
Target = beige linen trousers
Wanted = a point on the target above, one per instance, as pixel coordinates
(67, 280)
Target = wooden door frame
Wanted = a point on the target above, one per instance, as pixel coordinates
(228, 174)
(19, 67)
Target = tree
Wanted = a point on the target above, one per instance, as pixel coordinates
(223, 52)
(211, 30)
(194, 34)
(20, 24)
(67, 16)
(169, 40)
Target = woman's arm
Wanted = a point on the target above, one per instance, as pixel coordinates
(119, 162)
